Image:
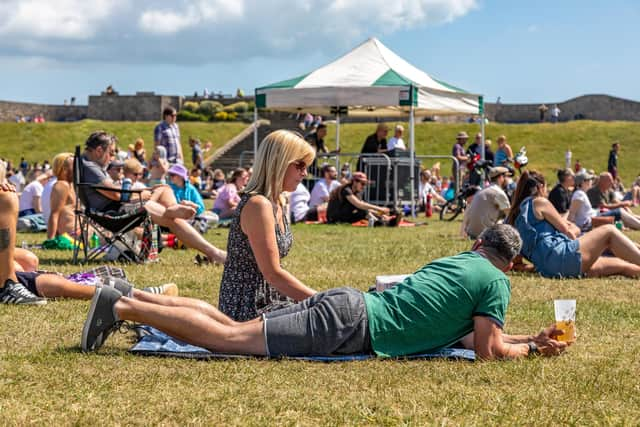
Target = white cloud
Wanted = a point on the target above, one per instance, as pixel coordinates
(60, 19)
(205, 31)
(201, 12)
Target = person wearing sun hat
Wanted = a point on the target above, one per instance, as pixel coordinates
(183, 190)
(459, 154)
(346, 204)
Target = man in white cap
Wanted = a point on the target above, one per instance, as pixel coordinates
(488, 205)
(458, 153)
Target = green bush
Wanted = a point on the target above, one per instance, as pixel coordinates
(238, 107)
(188, 116)
(221, 115)
(190, 106)
(209, 108)
(232, 116)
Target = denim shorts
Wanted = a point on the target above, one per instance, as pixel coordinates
(331, 322)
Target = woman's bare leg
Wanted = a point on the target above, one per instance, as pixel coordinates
(596, 241)
(610, 266)
(194, 327)
(52, 285)
(193, 303)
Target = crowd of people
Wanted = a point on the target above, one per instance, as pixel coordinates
(266, 310)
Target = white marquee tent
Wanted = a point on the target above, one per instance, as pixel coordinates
(371, 80)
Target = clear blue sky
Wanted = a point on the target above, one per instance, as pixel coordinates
(521, 51)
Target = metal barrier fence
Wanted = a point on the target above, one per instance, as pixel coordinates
(381, 175)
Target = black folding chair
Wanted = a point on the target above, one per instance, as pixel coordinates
(111, 226)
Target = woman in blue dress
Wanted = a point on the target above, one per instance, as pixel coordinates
(550, 242)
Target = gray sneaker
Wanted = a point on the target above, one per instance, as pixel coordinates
(101, 319)
(125, 288)
(169, 289)
(16, 293)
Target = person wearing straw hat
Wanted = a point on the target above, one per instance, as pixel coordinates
(459, 154)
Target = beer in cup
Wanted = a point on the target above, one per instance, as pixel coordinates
(565, 310)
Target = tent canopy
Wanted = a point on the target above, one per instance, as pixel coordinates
(370, 79)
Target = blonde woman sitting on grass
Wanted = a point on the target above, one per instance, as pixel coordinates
(253, 281)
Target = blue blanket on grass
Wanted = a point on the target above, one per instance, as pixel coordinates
(153, 342)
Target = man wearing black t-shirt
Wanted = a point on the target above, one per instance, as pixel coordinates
(346, 204)
(560, 196)
(375, 143)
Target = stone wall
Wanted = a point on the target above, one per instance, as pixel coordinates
(61, 113)
(139, 107)
(590, 107)
(147, 106)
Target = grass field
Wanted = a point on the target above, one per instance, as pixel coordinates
(546, 143)
(44, 379)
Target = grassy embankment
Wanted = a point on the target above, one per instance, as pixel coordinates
(546, 143)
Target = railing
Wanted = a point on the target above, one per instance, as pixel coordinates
(355, 157)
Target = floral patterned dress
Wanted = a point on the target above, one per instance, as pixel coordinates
(244, 293)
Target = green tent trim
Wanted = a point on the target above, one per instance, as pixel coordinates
(391, 78)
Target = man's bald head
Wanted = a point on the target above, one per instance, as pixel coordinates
(605, 181)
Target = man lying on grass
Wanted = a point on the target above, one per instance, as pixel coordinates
(456, 300)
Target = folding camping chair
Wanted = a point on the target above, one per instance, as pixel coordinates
(111, 226)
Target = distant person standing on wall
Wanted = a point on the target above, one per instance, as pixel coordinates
(542, 109)
(612, 163)
(167, 135)
(555, 113)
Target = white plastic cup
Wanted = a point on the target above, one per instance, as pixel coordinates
(565, 311)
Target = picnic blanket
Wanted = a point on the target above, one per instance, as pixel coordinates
(152, 342)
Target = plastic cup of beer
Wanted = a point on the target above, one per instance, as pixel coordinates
(565, 310)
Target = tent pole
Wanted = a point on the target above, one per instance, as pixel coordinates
(255, 133)
(482, 131)
(338, 139)
(412, 140)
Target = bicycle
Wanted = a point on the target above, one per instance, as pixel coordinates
(454, 207)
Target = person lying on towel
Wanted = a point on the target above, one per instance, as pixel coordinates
(459, 300)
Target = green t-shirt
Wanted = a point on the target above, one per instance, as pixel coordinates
(434, 307)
